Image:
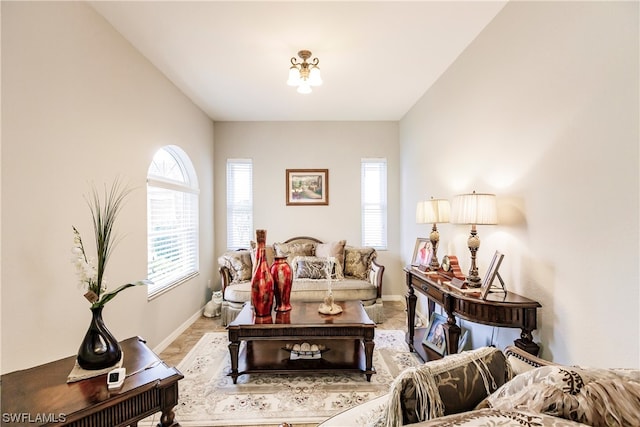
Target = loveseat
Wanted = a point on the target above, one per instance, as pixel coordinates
(355, 274)
(488, 387)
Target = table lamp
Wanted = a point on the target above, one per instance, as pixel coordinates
(474, 209)
(433, 211)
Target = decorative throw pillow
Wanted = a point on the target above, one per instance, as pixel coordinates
(357, 262)
(238, 263)
(592, 396)
(333, 250)
(451, 385)
(292, 250)
(310, 267)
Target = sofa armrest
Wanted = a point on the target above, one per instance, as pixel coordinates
(521, 361)
(225, 278)
(375, 276)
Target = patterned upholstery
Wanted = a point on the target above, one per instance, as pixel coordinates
(357, 262)
(593, 396)
(238, 263)
(450, 385)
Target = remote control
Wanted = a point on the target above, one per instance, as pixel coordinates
(115, 378)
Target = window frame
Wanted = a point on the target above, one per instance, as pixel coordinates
(238, 242)
(368, 207)
(172, 189)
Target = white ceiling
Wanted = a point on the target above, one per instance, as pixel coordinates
(232, 58)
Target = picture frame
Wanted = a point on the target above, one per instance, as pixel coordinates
(422, 253)
(492, 273)
(435, 338)
(307, 187)
(462, 341)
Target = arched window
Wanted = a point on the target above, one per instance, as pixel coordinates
(172, 219)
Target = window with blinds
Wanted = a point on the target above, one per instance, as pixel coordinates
(172, 220)
(373, 179)
(239, 203)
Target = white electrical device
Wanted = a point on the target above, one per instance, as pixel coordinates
(115, 378)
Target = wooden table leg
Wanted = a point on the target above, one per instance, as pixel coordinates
(369, 344)
(411, 314)
(234, 348)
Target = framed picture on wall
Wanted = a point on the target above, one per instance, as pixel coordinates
(307, 187)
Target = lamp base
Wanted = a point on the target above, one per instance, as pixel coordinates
(473, 281)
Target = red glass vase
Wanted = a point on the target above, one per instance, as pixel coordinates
(261, 281)
(282, 280)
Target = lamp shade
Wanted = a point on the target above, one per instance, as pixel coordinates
(433, 211)
(474, 208)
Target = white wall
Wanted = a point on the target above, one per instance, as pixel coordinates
(337, 146)
(80, 105)
(542, 109)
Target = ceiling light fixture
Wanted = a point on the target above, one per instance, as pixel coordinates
(304, 74)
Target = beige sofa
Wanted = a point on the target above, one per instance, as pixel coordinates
(487, 387)
(356, 276)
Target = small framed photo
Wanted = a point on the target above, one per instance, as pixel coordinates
(422, 254)
(492, 272)
(307, 187)
(435, 338)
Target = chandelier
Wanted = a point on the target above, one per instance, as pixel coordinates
(304, 74)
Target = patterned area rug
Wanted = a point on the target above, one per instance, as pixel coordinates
(208, 396)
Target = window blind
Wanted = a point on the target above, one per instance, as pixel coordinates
(239, 203)
(172, 222)
(374, 202)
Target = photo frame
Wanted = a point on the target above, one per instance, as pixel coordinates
(435, 338)
(492, 273)
(422, 254)
(307, 187)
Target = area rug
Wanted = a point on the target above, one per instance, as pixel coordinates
(208, 396)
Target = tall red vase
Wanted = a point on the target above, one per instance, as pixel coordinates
(261, 281)
(282, 280)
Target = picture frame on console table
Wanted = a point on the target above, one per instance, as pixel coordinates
(492, 273)
(307, 187)
(422, 254)
(435, 338)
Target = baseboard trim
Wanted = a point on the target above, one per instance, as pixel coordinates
(175, 334)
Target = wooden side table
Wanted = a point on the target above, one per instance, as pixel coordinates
(41, 395)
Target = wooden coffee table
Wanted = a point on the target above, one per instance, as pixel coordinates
(257, 345)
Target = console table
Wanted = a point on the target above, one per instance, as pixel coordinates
(508, 310)
(41, 395)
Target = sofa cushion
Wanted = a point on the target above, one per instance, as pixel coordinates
(495, 417)
(310, 267)
(333, 250)
(450, 385)
(593, 396)
(357, 261)
(292, 250)
(239, 264)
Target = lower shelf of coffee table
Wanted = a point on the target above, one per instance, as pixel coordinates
(269, 356)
